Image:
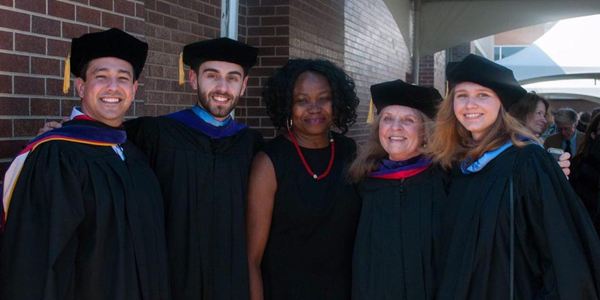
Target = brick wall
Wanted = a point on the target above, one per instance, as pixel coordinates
(316, 30)
(34, 39)
(266, 26)
(457, 53)
(169, 26)
(426, 70)
(359, 35)
(432, 71)
(375, 51)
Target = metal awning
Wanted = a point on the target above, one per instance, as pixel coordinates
(587, 89)
(442, 24)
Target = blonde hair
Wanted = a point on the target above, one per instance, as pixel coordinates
(371, 153)
(451, 142)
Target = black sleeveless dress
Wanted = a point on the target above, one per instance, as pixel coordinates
(309, 251)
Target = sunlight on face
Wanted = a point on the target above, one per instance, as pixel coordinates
(108, 90)
(401, 132)
(476, 107)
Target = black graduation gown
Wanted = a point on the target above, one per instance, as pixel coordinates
(204, 184)
(585, 180)
(393, 252)
(83, 224)
(309, 251)
(556, 249)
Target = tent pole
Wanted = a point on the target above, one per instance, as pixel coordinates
(416, 36)
(229, 23)
(229, 19)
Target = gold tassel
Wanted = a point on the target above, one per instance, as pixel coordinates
(67, 75)
(181, 73)
(371, 113)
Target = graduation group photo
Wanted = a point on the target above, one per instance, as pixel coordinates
(303, 180)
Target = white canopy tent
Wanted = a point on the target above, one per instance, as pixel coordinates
(435, 25)
(571, 47)
(564, 62)
(586, 88)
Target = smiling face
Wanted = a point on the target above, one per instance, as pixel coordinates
(108, 90)
(220, 85)
(312, 109)
(536, 121)
(476, 107)
(401, 132)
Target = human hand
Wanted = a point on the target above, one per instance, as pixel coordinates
(51, 125)
(564, 163)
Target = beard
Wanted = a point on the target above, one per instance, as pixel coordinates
(216, 108)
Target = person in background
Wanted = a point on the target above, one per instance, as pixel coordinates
(512, 227)
(84, 213)
(595, 111)
(532, 111)
(567, 138)
(302, 209)
(550, 127)
(399, 190)
(585, 177)
(584, 120)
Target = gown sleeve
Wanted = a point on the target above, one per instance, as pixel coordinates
(552, 219)
(37, 259)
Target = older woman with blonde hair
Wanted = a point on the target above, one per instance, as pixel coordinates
(399, 189)
(512, 227)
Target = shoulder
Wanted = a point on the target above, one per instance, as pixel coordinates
(345, 142)
(579, 137)
(140, 121)
(275, 145)
(262, 164)
(60, 147)
(532, 152)
(254, 135)
(142, 124)
(533, 159)
(340, 138)
(531, 149)
(55, 156)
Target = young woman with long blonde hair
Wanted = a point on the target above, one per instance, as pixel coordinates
(512, 227)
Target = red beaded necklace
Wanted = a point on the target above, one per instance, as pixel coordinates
(305, 163)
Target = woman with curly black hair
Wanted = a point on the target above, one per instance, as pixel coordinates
(302, 212)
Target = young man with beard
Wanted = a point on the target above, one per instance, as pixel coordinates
(82, 209)
(202, 159)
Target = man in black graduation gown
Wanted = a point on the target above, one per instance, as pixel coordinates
(202, 158)
(83, 210)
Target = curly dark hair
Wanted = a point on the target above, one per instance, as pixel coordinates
(278, 91)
